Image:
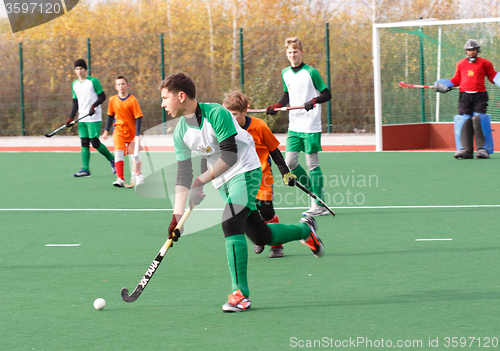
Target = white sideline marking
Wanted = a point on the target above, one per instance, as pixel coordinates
(220, 209)
(63, 245)
(432, 239)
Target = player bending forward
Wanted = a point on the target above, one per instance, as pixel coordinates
(472, 120)
(234, 169)
(124, 108)
(266, 146)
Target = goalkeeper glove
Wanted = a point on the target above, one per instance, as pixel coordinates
(441, 88)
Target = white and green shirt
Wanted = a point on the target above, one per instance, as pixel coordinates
(303, 86)
(217, 124)
(86, 92)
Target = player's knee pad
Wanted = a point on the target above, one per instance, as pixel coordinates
(95, 142)
(292, 159)
(85, 142)
(312, 160)
(482, 132)
(266, 210)
(464, 132)
(233, 219)
(119, 155)
(257, 230)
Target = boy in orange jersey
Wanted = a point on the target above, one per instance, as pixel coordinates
(124, 108)
(266, 146)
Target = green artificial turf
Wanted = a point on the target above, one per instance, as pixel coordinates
(375, 281)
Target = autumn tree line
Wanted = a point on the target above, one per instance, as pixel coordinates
(202, 39)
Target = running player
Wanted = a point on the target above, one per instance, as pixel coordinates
(266, 146)
(88, 96)
(125, 110)
(303, 86)
(234, 169)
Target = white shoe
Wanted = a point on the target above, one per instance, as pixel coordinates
(120, 183)
(139, 179)
(316, 210)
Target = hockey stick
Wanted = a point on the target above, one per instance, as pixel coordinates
(134, 165)
(48, 135)
(404, 85)
(314, 196)
(259, 110)
(156, 262)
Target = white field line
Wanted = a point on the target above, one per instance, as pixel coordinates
(433, 239)
(63, 245)
(220, 209)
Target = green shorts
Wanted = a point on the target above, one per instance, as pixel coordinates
(89, 129)
(242, 189)
(307, 142)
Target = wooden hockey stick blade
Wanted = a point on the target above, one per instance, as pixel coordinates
(260, 110)
(154, 265)
(314, 196)
(131, 185)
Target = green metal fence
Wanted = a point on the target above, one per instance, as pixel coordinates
(36, 92)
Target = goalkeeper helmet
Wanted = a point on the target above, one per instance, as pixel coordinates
(471, 44)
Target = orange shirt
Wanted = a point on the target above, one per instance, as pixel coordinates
(265, 142)
(125, 112)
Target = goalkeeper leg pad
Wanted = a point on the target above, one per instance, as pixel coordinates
(482, 132)
(464, 132)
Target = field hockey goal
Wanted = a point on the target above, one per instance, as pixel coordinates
(421, 52)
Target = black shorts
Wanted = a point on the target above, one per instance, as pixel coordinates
(469, 103)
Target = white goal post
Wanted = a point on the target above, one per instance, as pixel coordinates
(435, 105)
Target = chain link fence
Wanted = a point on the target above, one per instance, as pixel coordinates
(212, 59)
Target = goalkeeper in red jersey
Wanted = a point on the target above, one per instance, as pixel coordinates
(472, 120)
(266, 146)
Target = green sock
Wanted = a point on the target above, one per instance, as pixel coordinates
(302, 177)
(237, 260)
(105, 152)
(283, 233)
(85, 151)
(317, 182)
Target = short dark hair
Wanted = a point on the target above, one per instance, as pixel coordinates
(122, 77)
(177, 82)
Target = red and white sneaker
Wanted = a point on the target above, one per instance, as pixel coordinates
(237, 303)
(313, 240)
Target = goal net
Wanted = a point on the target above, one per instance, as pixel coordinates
(421, 52)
